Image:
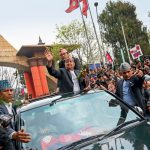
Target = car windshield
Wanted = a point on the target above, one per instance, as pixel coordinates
(73, 119)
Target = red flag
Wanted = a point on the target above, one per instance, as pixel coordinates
(74, 4)
(109, 57)
(84, 7)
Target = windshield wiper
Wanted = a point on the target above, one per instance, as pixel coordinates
(74, 144)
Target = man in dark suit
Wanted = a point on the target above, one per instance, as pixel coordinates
(67, 77)
(129, 88)
(6, 100)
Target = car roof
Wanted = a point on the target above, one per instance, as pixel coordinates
(48, 99)
(40, 102)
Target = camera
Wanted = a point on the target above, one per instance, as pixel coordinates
(5, 120)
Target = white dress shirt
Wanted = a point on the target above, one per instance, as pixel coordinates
(76, 87)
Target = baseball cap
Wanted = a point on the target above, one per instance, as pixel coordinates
(125, 67)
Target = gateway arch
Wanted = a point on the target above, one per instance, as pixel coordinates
(30, 60)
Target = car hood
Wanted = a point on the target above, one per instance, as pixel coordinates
(136, 138)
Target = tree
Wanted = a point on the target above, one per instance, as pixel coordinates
(73, 33)
(111, 18)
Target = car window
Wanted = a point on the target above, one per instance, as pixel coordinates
(73, 119)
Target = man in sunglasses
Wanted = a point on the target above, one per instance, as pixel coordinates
(67, 77)
(6, 108)
(64, 55)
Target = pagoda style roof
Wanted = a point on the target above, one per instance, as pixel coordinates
(30, 50)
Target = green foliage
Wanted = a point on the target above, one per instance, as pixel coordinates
(74, 33)
(111, 18)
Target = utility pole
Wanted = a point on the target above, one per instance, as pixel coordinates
(125, 41)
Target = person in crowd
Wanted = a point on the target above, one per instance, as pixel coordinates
(129, 89)
(138, 64)
(111, 86)
(86, 79)
(64, 55)
(147, 62)
(67, 77)
(6, 107)
(92, 82)
(100, 82)
(146, 86)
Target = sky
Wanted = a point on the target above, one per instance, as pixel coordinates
(23, 21)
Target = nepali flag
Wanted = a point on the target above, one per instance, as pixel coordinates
(84, 7)
(74, 4)
(109, 57)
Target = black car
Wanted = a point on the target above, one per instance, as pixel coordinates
(96, 120)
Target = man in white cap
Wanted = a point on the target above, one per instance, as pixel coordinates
(129, 88)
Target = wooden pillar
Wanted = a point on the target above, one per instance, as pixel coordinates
(42, 74)
(36, 77)
(29, 84)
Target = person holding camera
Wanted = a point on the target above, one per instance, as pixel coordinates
(6, 108)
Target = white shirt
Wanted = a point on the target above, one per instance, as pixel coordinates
(9, 107)
(76, 87)
(127, 95)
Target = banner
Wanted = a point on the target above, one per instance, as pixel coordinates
(136, 52)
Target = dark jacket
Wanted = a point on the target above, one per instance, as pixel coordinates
(76, 61)
(5, 141)
(65, 79)
(3, 110)
(135, 87)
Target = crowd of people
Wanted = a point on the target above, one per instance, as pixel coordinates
(130, 82)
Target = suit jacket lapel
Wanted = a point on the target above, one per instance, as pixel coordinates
(69, 75)
(6, 110)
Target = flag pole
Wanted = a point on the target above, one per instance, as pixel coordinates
(101, 55)
(96, 4)
(88, 41)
